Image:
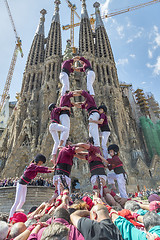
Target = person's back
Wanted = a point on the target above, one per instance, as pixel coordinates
(98, 227)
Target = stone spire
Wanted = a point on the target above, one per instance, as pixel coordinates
(35, 57)
(86, 43)
(102, 44)
(99, 22)
(56, 12)
(40, 28)
(84, 13)
(54, 44)
(36, 54)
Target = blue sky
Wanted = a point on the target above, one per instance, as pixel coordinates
(134, 37)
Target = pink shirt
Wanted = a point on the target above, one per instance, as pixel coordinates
(66, 155)
(32, 170)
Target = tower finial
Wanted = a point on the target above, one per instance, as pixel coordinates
(84, 13)
(40, 28)
(56, 11)
(99, 22)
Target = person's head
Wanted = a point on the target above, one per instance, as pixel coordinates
(67, 92)
(150, 220)
(51, 106)
(18, 217)
(4, 217)
(90, 140)
(132, 206)
(55, 231)
(62, 213)
(154, 206)
(40, 159)
(102, 109)
(113, 149)
(17, 229)
(68, 142)
(3, 230)
(99, 212)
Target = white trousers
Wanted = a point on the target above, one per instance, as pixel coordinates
(57, 179)
(93, 128)
(90, 80)
(64, 79)
(65, 121)
(21, 192)
(120, 181)
(94, 181)
(54, 128)
(105, 136)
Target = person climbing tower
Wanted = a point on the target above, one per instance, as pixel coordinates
(55, 127)
(90, 74)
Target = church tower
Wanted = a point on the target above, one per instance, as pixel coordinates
(52, 68)
(86, 41)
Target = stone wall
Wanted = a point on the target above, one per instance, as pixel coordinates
(35, 196)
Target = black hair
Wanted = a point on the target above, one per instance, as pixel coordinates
(114, 147)
(103, 107)
(39, 157)
(51, 106)
(91, 140)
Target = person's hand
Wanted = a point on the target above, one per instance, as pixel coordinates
(98, 154)
(151, 236)
(91, 120)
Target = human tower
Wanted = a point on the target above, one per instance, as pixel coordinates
(89, 151)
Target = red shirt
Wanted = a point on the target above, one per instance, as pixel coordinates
(85, 65)
(32, 170)
(66, 155)
(55, 115)
(90, 157)
(115, 162)
(90, 102)
(65, 100)
(67, 65)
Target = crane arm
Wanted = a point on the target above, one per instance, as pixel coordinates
(9, 77)
(10, 15)
(129, 9)
(92, 20)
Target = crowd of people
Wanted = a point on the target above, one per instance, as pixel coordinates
(101, 214)
(38, 181)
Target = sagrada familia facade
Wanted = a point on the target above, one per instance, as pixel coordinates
(27, 132)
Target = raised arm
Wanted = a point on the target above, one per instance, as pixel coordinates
(77, 215)
(102, 158)
(83, 145)
(100, 121)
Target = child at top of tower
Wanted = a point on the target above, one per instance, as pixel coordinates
(29, 174)
(119, 173)
(90, 74)
(56, 127)
(66, 69)
(105, 130)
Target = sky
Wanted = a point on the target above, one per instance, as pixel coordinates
(134, 37)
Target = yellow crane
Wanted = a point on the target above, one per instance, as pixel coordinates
(18, 47)
(73, 11)
(128, 9)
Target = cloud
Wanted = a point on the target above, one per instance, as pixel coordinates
(150, 53)
(104, 7)
(155, 42)
(122, 61)
(120, 30)
(143, 82)
(132, 55)
(156, 67)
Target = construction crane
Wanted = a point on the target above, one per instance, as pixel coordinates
(18, 47)
(73, 11)
(128, 9)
